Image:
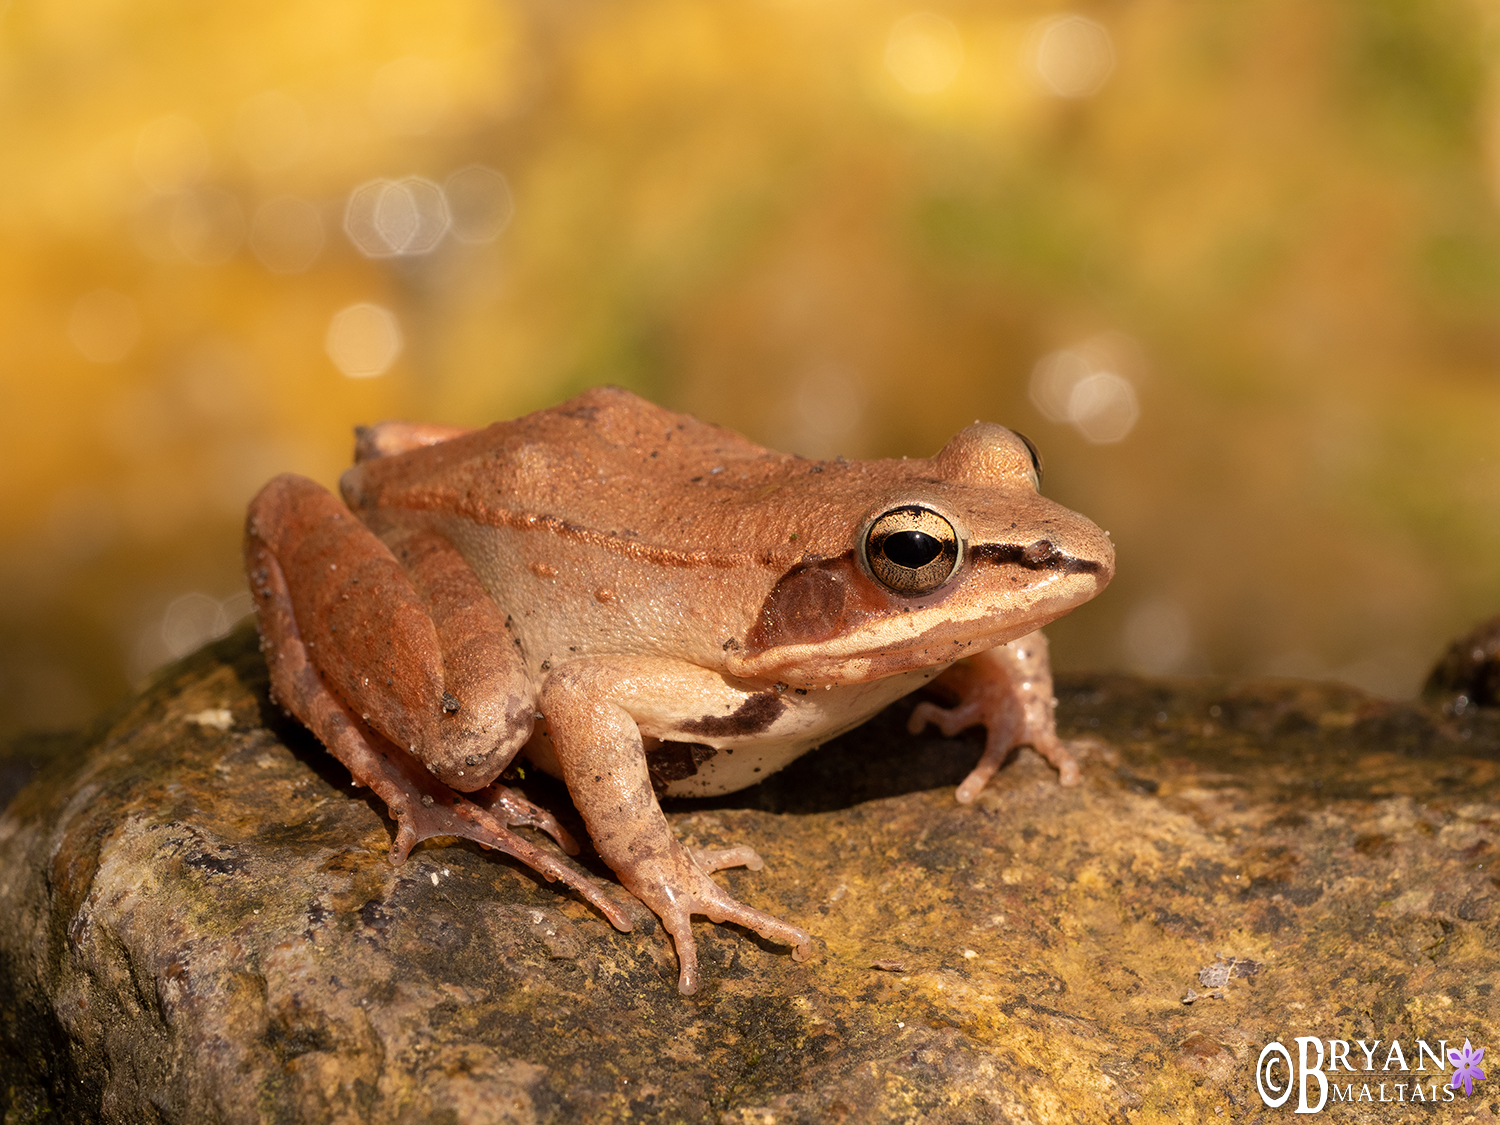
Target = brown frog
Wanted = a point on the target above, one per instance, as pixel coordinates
(647, 605)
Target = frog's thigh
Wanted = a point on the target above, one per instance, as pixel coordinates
(588, 705)
(417, 648)
(422, 806)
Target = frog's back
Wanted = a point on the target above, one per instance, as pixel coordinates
(605, 464)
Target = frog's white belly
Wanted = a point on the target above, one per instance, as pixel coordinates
(808, 721)
(706, 735)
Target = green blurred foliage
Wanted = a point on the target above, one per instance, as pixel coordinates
(841, 228)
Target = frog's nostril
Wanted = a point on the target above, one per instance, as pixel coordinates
(1042, 551)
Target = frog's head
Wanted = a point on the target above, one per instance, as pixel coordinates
(956, 554)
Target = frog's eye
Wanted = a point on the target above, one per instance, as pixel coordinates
(911, 550)
(1036, 457)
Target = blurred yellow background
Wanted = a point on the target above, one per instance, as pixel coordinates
(1234, 267)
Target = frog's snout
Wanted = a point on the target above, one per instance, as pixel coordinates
(1093, 554)
(1043, 555)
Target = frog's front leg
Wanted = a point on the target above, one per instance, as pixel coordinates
(591, 709)
(1009, 690)
(388, 664)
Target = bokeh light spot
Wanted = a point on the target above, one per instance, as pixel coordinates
(171, 153)
(479, 203)
(1074, 387)
(385, 218)
(272, 132)
(1053, 379)
(287, 234)
(189, 622)
(924, 52)
(409, 97)
(363, 340)
(1103, 407)
(1071, 55)
(104, 326)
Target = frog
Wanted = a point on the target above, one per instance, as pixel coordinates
(648, 606)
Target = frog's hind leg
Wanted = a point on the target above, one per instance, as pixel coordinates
(295, 521)
(1009, 690)
(416, 647)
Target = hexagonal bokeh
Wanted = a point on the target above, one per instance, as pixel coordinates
(386, 218)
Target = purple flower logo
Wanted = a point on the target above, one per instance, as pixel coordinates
(1466, 1068)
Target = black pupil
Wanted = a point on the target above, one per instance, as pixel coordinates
(911, 549)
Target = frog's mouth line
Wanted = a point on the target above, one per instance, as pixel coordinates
(857, 656)
(1041, 555)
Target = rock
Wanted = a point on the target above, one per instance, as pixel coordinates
(198, 923)
(1469, 672)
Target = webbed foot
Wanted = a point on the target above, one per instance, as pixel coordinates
(1009, 690)
(424, 807)
(675, 887)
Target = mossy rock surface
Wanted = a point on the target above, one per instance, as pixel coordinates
(198, 923)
